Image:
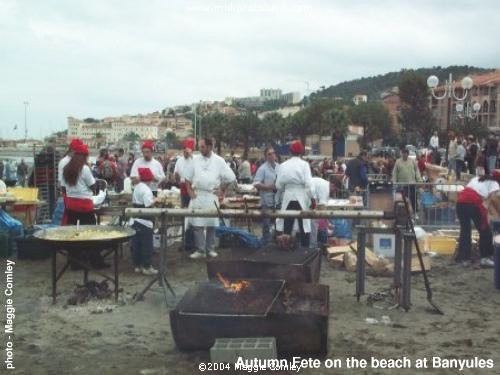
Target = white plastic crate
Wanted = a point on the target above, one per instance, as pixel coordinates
(228, 350)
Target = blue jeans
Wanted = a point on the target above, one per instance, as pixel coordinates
(142, 245)
(492, 162)
(266, 227)
(466, 213)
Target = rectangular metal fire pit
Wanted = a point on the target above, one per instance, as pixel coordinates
(298, 319)
(299, 265)
(213, 299)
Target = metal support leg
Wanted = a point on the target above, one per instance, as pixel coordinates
(405, 298)
(115, 250)
(54, 275)
(360, 263)
(161, 277)
(398, 256)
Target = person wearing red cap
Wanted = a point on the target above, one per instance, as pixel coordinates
(75, 142)
(79, 185)
(294, 181)
(207, 174)
(142, 242)
(181, 165)
(147, 161)
(469, 208)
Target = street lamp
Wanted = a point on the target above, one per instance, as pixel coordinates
(449, 94)
(468, 110)
(25, 121)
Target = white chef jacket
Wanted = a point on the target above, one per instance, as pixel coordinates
(206, 174)
(295, 181)
(181, 165)
(142, 196)
(321, 190)
(156, 169)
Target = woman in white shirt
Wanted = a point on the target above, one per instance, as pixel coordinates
(79, 185)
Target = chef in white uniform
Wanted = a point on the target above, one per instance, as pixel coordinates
(294, 181)
(321, 194)
(206, 177)
(147, 161)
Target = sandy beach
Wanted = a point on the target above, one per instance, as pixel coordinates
(101, 337)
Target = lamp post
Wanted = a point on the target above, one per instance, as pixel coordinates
(449, 94)
(25, 120)
(468, 111)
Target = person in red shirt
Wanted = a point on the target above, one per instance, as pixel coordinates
(421, 163)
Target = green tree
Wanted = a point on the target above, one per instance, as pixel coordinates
(245, 128)
(298, 125)
(468, 126)
(336, 121)
(375, 120)
(216, 125)
(131, 137)
(416, 116)
(273, 128)
(314, 113)
(172, 140)
(99, 137)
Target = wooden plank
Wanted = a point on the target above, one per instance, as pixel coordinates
(337, 261)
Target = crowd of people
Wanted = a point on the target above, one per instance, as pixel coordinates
(292, 184)
(13, 173)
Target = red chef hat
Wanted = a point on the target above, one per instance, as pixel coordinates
(145, 174)
(81, 148)
(188, 143)
(75, 142)
(148, 144)
(296, 148)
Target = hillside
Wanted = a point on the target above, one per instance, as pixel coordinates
(374, 86)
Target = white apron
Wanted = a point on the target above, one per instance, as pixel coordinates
(300, 194)
(204, 199)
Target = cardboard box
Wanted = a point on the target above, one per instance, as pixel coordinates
(442, 245)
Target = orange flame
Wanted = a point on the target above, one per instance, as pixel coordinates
(233, 287)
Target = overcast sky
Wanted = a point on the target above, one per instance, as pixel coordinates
(96, 58)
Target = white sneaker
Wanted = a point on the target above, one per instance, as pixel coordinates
(197, 255)
(149, 271)
(466, 263)
(138, 270)
(487, 262)
(212, 254)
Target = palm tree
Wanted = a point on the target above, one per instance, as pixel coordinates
(273, 128)
(245, 128)
(337, 122)
(216, 125)
(99, 138)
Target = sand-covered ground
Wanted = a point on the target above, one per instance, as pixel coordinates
(107, 338)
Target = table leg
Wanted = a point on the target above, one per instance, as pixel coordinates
(397, 262)
(360, 263)
(115, 249)
(405, 299)
(54, 275)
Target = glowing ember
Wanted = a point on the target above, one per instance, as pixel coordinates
(233, 287)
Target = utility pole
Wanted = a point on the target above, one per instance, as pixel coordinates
(25, 121)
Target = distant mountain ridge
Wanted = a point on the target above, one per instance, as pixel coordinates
(376, 85)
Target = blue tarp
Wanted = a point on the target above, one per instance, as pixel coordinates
(245, 238)
(9, 224)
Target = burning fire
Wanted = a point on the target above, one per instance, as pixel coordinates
(233, 287)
